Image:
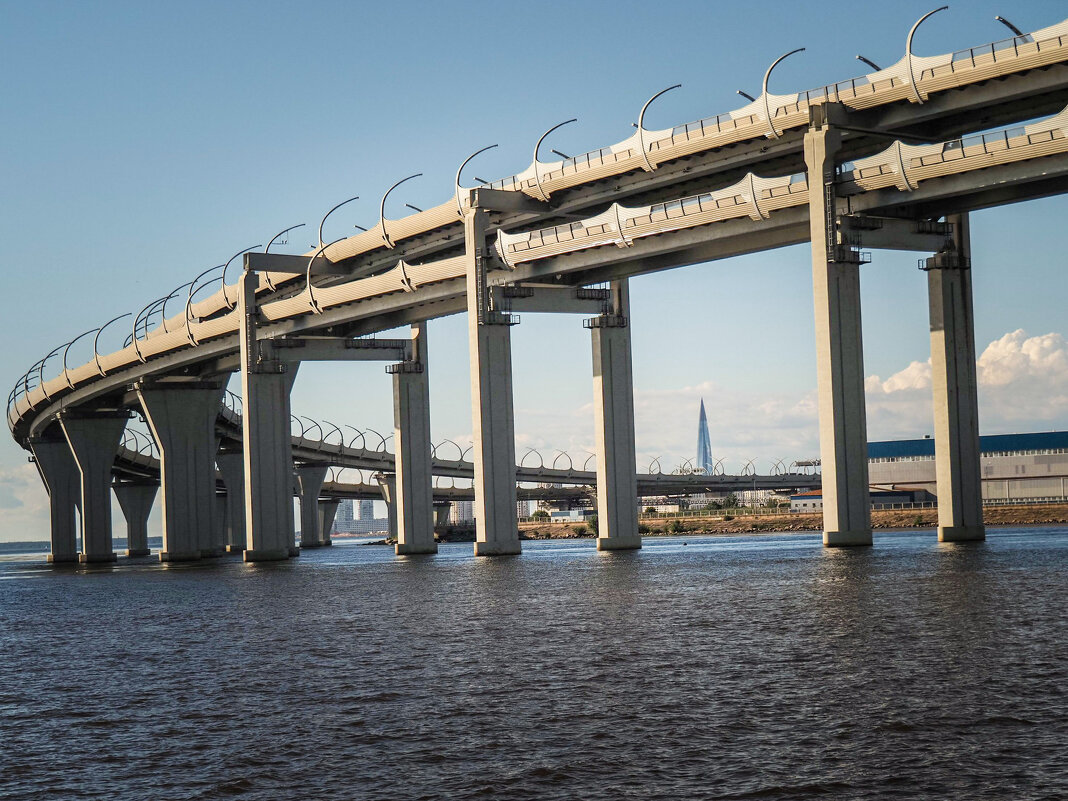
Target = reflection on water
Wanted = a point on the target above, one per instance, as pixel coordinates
(745, 667)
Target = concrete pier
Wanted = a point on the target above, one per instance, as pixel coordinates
(493, 424)
(59, 472)
(267, 448)
(387, 483)
(613, 411)
(310, 478)
(327, 512)
(839, 354)
(136, 500)
(953, 382)
(411, 437)
(94, 443)
(231, 466)
(182, 418)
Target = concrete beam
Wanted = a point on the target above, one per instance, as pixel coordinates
(334, 349)
(136, 500)
(549, 299)
(499, 200)
(953, 383)
(292, 265)
(892, 233)
(839, 355)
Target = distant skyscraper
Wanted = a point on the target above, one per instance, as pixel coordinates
(366, 510)
(704, 444)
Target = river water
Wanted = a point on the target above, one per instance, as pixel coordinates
(759, 667)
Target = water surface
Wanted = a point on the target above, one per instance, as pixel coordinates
(753, 667)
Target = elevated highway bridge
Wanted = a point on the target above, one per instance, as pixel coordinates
(893, 159)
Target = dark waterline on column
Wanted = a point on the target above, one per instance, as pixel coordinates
(697, 668)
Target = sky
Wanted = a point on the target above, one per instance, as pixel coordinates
(143, 143)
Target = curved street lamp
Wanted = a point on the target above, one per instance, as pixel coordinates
(537, 147)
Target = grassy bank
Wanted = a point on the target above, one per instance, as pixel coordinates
(1045, 514)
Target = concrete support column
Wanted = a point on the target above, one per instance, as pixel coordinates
(613, 411)
(387, 483)
(182, 418)
(411, 437)
(94, 443)
(59, 472)
(327, 511)
(839, 355)
(493, 425)
(953, 381)
(310, 478)
(267, 447)
(136, 500)
(231, 466)
(441, 513)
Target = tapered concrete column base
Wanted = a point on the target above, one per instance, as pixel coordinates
(138, 551)
(212, 553)
(276, 555)
(235, 548)
(327, 543)
(840, 539)
(63, 560)
(961, 533)
(498, 548)
(306, 545)
(619, 543)
(404, 549)
(96, 558)
(294, 550)
(179, 556)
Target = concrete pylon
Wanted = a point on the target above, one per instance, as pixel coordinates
(136, 500)
(327, 511)
(411, 437)
(94, 443)
(59, 472)
(267, 449)
(441, 512)
(839, 354)
(387, 483)
(231, 466)
(182, 418)
(613, 411)
(953, 382)
(493, 424)
(310, 479)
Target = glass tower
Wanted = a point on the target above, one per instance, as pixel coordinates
(704, 444)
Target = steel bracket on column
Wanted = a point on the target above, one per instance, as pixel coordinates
(405, 367)
(946, 260)
(606, 321)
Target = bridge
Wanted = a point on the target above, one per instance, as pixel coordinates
(894, 159)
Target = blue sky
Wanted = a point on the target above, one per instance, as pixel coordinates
(143, 143)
